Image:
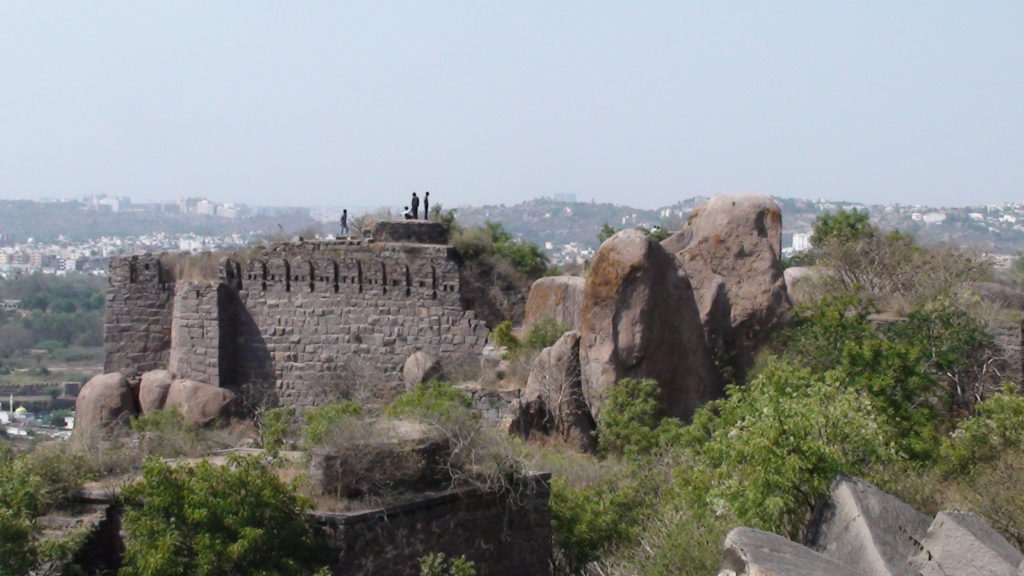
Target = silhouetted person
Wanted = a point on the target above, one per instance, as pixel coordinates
(344, 222)
(426, 206)
(415, 206)
(407, 214)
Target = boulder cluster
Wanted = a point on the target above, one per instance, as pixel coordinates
(862, 531)
(109, 399)
(688, 312)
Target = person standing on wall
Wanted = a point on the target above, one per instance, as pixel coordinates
(415, 204)
(344, 222)
(426, 205)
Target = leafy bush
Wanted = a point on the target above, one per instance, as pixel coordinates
(768, 452)
(320, 420)
(277, 426)
(439, 565)
(997, 427)
(590, 520)
(544, 333)
(238, 518)
(32, 485)
(166, 433)
(502, 336)
(433, 400)
(631, 424)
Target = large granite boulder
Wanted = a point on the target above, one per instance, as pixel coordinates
(104, 400)
(731, 249)
(153, 390)
(421, 367)
(557, 296)
(201, 403)
(639, 319)
(750, 552)
(866, 529)
(963, 544)
(553, 399)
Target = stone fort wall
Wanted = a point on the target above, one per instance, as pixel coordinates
(307, 322)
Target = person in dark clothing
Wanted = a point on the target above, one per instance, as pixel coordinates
(415, 206)
(426, 206)
(407, 214)
(344, 222)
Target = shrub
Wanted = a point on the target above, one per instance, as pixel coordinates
(439, 565)
(320, 420)
(587, 521)
(631, 423)
(433, 400)
(166, 433)
(238, 518)
(502, 336)
(768, 452)
(997, 427)
(544, 333)
(277, 427)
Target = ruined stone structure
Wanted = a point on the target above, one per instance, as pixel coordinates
(306, 321)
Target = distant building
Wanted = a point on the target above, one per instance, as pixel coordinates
(934, 218)
(10, 304)
(801, 242)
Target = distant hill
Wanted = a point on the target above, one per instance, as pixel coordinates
(76, 221)
(998, 229)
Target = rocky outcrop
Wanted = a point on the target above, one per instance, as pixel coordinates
(557, 296)
(153, 390)
(731, 249)
(866, 529)
(639, 319)
(421, 367)
(750, 552)
(862, 531)
(963, 544)
(104, 400)
(410, 231)
(553, 402)
(200, 403)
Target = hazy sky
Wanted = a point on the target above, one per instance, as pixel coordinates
(640, 103)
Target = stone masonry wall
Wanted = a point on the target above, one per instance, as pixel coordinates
(332, 317)
(195, 332)
(504, 534)
(137, 326)
(308, 322)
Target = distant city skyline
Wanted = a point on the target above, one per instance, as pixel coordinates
(641, 104)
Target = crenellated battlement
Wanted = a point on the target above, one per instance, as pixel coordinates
(307, 321)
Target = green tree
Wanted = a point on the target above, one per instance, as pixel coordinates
(209, 519)
(606, 232)
(842, 227)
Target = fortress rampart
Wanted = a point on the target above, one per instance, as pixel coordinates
(308, 322)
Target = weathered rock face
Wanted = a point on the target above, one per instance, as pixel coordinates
(557, 296)
(639, 319)
(963, 544)
(750, 552)
(153, 390)
(200, 403)
(421, 367)
(104, 400)
(553, 401)
(867, 530)
(731, 250)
